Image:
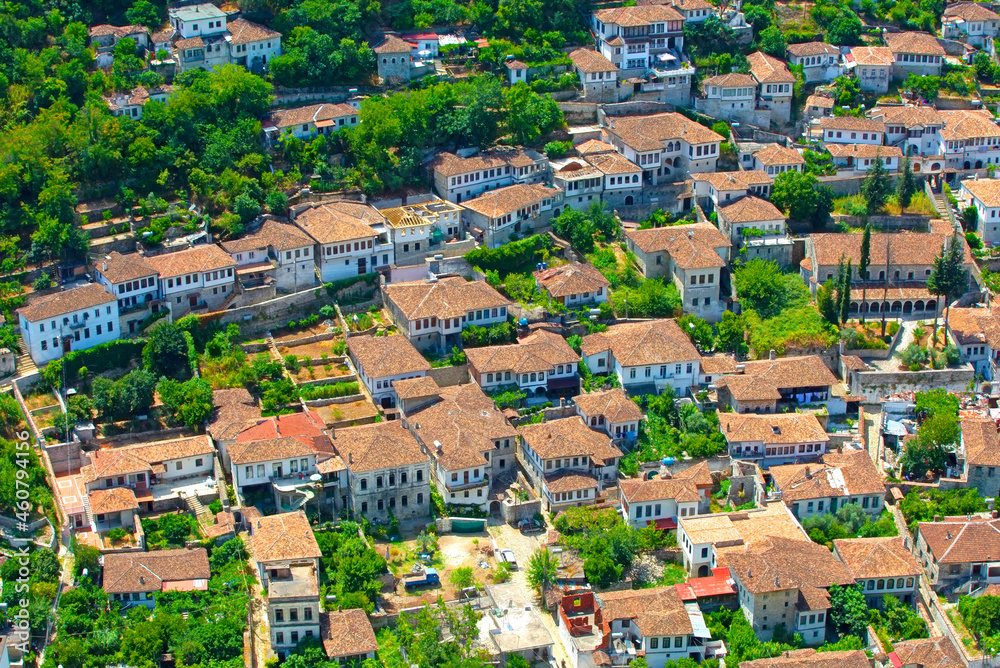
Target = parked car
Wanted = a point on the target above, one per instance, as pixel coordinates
(530, 526)
(507, 556)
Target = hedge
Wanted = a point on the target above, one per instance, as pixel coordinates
(309, 392)
(111, 355)
(514, 257)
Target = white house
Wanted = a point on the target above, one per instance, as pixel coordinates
(661, 500)
(135, 578)
(207, 40)
(134, 281)
(496, 215)
(269, 462)
(820, 61)
(665, 145)
(74, 319)
(573, 284)
(351, 238)
(836, 480)
(277, 251)
(131, 104)
(775, 83)
(202, 277)
(984, 195)
(461, 177)
(873, 68)
(598, 75)
(916, 131)
(851, 130)
(970, 139)
(309, 121)
(645, 356)
(610, 411)
(419, 227)
(971, 22)
(776, 159)
(381, 360)
(633, 37)
(771, 439)
(915, 53)
(539, 363)
(733, 96)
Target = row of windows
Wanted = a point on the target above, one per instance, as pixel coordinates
(778, 88)
(889, 584)
(294, 466)
(663, 370)
(711, 149)
(76, 336)
(346, 248)
(622, 180)
(654, 643)
(293, 614)
(279, 637)
(136, 285)
(193, 278)
(379, 480)
(404, 501)
(854, 135)
(568, 496)
(913, 58)
(699, 279)
(472, 177)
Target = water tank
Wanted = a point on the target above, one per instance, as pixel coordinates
(668, 461)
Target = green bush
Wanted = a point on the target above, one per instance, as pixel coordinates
(514, 257)
(309, 392)
(111, 355)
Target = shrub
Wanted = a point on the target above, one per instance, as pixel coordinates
(309, 392)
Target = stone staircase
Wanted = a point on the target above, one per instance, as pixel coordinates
(24, 364)
(88, 513)
(194, 504)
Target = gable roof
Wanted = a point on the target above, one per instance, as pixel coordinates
(910, 248)
(347, 633)
(266, 450)
(731, 80)
(937, 652)
(245, 32)
(975, 325)
(333, 222)
(777, 564)
(381, 356)
(981, 441)
(968, 124)
(638, 15)
(747, 388)
(289, 118)
(787, 373)
(589, 60)
(160, 570)
(393, 44)
(776, 154)
(143, 457)
(914, 42)
(656, 612)
(206, 257)
(539, 351)
(876, 557)
(280, 236)
(594, 146)
(639, 343)
(449, 164)
(768, 69)
(648, 133)
(908, 115)
(568, 437)
(450, 297)
(114, 500)
(414, 388)
(750, 209)
(235, 410)
(119, 268)
(377, 446)
(613, 404)
(681, 488)
(689, 246)
(851, 124)
(772, 428)
(850, 473)
(735, 531)
(502, 201)
(961, 540)
(970, 11)
(742, 180)
(810, 658)
(67, 301)
(872, 55)
(812, 49)
(986, 191)
(465, 424)
(570, 279)
(284, 537)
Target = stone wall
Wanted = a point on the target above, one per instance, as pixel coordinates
(446, 376)
(913, 222)
(874, 385)
(317, 403)
(64, 457)
(553, 413)
(257, 295)
(259, 318)
(523, 510)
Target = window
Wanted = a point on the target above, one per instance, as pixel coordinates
(279, 615)
(654, 643)
(678, 641)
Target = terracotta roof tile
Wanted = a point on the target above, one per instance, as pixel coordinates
(253, 452)
(872, 55)
(658, 489)
(594, 146)
(877, 557)
(731, 80)
(846, 474)
(613, 404)
(245, 32)
(975, 325)
(819, 101)
(235, 410)
(929, 653)
(718, 364)
(961, 541)
(119, 268)
(449, 164)
(968, 124)
(570, 279)
(347, 633)
(642, 343)
(772, 428)
(207, 257)
(540, 351)
(142, 457)
(750, 209)
(414, 388)
(777, 564)
(393, 44)
(450, 297)
(689, 246)
(914, 42)
(986, 191)
(748, 388)
(768, 69)
(810, 658)
(588, 60)
(333, 222)
(776, 154)
(508, 200)
(908, 116)
(851, 123)
(290, 118)
(656, 612)
(813, 49)
(284, 537)
(650, 133)
(60, 303)
(154, 571)
(786, 373)
(114, 500)
(570, 481)
(904, 248)
(636, 16)
(981, 441)
(743, 180)
(466, 424)
(736, 531)
(378, 446)
(568, 437)
(970, 11)
(869, 151)
(381, 356)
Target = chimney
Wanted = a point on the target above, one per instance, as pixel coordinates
(937, 518)
(104, 266)
(772, 355)
(949, 535)
(350, 457)
(809, 474)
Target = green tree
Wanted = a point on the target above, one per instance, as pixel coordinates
(761, 287)
(601, 570)
(732, 334)
(143, 13)
(845, 294)
(845, 30)
(949, 278)
(190, 401)
(906, 184)
(542, 567)
(795, 193)
(863, 262)
(825, 302)
(772, 42)
(876, 187)
(699, 331)
(529, 115)
(848, 610)
(166, 352)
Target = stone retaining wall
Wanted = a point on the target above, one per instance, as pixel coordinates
(874, 385)
(317, 403)
(446, 376)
